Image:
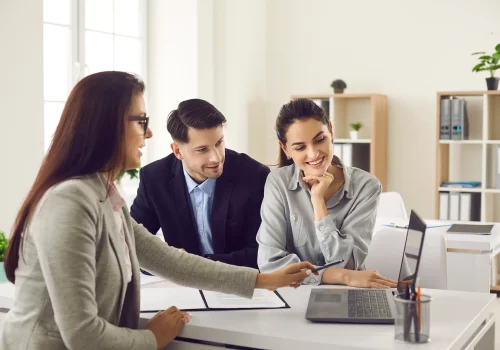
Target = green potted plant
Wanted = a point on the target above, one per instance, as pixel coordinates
(489, 63)
(132, 173)
(355, 129)
(3, 249)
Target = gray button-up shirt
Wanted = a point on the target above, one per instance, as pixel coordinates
(289, 233)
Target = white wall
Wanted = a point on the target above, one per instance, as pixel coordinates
(21, 101)
(407, 50)
(240, 61)
(180, 62)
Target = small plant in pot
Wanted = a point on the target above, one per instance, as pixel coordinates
(338, 86)
(3, 249)
(489, 63)
(355, 129)
(132, 173)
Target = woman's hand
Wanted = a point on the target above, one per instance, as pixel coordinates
(368, 279)
(167, 324)
(291, 275)
(319, 184)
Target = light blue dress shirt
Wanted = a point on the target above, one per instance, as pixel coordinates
(201, 197)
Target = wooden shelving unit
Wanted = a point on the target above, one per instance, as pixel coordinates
(472, 159)
(369, 109)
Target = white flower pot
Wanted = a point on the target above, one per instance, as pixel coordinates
(3, 277)
(354, 135)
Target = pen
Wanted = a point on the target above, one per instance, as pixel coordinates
(414, 314)
(419, 312)
(327, 265)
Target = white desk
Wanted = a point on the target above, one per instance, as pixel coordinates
(459, 320)
(470, 258)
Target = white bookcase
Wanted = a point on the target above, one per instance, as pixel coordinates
(473, 159)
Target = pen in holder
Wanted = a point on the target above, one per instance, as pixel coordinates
(412, 319)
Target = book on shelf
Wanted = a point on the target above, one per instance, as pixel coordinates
(353, 155)
(461, 184)
(498, 167)
(445, 119)
(459, 119)
(464, 206)
(323, 103)
(454, 121)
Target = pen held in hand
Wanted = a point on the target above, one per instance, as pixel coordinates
(327, 265)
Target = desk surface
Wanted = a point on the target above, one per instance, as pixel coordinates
(480, 243)
(455, 316)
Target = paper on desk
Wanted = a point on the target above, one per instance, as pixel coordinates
(7, 290)
(146, 279)
(429, 223)
(156, 299)
(261, 299)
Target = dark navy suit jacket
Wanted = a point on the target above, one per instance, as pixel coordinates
(162, 201)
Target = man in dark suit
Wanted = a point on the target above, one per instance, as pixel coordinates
(205, 198)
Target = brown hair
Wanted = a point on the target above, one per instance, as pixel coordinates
(195, 113)
(89, 138)
(298, 109)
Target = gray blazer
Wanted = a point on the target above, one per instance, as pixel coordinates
(71, 289)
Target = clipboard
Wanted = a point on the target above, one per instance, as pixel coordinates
(204, 304)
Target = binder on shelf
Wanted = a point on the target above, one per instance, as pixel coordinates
(337, 150)
(454, 204)
(325, 104)
(361, 156)
(470, 206)
(463, 206)
(347, 154)
(498, 167)
(459, 119)
(461, 184)
(443, 205)
(445, 119)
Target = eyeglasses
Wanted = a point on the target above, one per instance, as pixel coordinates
(143, 120)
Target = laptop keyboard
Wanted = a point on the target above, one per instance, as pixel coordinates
(365, 303)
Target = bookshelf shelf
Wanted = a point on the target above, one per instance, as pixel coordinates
(460, 189)
(352, 141)
(492, 190)
(369, 152)
(474, 159)
(461, 142)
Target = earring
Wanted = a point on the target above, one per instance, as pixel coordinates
(287, 157)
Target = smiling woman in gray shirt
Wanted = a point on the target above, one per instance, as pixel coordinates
(314, 207)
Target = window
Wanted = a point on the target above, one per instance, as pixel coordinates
(82, 37)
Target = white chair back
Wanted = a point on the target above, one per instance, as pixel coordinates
(386, 252)
(391, 205)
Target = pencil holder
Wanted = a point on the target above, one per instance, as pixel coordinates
(412, 319)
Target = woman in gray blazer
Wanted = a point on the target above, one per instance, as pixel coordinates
(75, 252)
(314, 207)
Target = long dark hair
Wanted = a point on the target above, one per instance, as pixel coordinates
(90, 138)
(298, 109)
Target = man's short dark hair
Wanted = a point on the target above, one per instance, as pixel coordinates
(194, 113)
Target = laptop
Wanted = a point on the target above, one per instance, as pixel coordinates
(373, 306)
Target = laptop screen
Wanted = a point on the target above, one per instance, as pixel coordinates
(412, 252)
